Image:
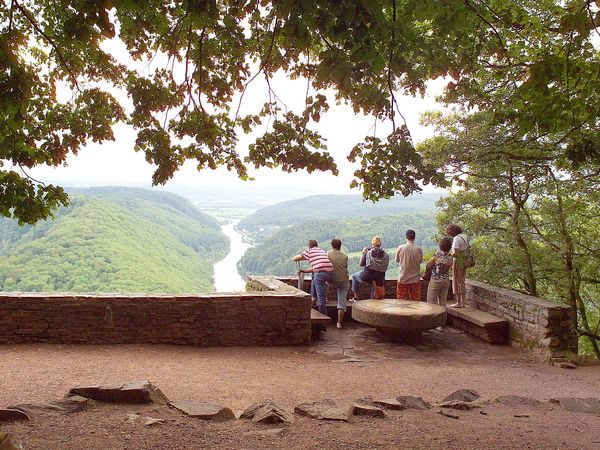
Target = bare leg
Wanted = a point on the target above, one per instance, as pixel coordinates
(456, 303)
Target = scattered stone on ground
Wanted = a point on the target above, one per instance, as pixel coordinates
(205, 411)
(516, 400)
(133, 392)
(74, 403)
(7, 442)
(447, 414)
(483, 413)
(410, 402)
(152, 421)
(267, 412)
(586, 405)
(463, 395)
(520, 415)
(132, 417)
(388, 403)
(567, 365)
(10, 415)
(322, 410)
(362, 408)
(460, 405)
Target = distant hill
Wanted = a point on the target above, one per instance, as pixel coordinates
(113, 240)
(266, 221)
(273, 256)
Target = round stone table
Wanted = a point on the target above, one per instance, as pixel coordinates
(399, 320)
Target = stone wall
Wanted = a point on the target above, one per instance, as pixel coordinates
(363, 292)
(242, 318)
(541, 327)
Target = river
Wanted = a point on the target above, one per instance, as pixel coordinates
(227, 278)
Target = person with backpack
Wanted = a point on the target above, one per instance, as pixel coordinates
(439, 265)
(462, 259)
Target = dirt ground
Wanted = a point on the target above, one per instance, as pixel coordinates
(345, 365)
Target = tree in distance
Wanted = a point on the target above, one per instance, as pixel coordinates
(531, 63)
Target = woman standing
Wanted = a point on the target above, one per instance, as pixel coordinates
(439, 264)
(459, 267)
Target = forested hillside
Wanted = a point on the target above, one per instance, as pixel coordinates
(266, 221)
(113, 240)
(273, 256)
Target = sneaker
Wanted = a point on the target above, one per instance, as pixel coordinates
(339, 326)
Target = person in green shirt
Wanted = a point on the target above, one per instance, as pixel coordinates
(341, 278)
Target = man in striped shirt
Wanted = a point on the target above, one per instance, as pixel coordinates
(322, 271)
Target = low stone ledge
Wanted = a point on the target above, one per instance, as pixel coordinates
(541, 327)
(279, 317)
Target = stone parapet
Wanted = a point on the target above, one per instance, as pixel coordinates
(363, 292)
(266, 318)
(537, 325)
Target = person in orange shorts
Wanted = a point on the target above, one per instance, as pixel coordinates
(409, 257)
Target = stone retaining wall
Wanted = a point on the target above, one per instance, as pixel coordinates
(541, 327)
(241, 318)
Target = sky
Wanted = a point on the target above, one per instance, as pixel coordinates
(116, 163)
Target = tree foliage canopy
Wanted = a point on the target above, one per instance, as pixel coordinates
(535, 220)
(531, 63)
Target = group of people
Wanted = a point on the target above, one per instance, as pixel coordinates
(331, 269)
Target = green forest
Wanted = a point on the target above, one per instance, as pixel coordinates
(264, 222)
(273, 256)
(113, 240)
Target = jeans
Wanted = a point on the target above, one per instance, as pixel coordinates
(356, 280)
(318, 289)
(342, 291)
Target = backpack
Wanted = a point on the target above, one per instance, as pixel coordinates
(470, 257)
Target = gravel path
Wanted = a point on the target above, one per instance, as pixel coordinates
(345, 365)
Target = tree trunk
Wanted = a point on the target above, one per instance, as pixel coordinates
(518, 202)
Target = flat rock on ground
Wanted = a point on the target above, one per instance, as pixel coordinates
(463, 395)
(587, 405)
(267, 412)
(410, 402)
(9, 415)
(458, 404)
(75, 403)
(388, 403)
(205, 411)
(517, 400)
(133, 392)
(322, 410)
(361, 408)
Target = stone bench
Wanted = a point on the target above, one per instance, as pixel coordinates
(478, 323)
